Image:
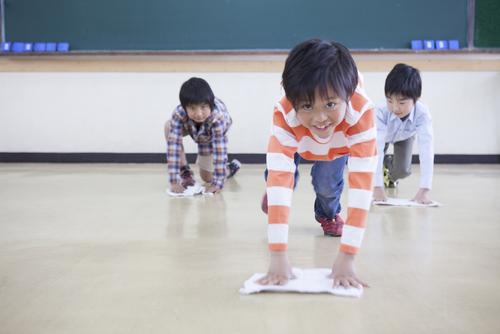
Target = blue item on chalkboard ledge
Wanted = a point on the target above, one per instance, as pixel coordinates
(62, 47)
(51, 47)
(40, 47)
(17, 47)
(428, 44)
(28, 47)
(417, 44)
(453, 44)
(441, 45)
(5, 47)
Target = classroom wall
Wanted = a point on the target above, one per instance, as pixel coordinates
(75, 110)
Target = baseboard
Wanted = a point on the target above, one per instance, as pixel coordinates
(247, 158)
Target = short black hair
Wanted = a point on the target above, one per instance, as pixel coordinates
(404, 80)
(318, 65)
(196, 91)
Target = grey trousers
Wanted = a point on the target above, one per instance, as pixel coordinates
(399, 163)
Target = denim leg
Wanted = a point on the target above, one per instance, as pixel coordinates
(328, 183)
(296, 160)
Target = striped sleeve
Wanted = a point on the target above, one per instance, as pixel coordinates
(361, 166)
(279, 158)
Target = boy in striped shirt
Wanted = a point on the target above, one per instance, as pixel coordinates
(324, 117)
(205, 118)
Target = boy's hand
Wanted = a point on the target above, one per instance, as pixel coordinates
(422, 196)
(212, 189)
(379, 194)
(176, 188)
(279, 271)
(343, 272)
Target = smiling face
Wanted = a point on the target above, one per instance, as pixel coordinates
(198, 112)
(399, 105)
(323, 115)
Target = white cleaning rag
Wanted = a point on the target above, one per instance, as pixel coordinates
(391, 201)
(313, 280)
(190, 191)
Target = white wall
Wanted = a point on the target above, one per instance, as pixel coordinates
(125, 112)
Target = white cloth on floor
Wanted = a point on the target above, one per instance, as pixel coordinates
(313, 280)
(190, 191)
(391, 201)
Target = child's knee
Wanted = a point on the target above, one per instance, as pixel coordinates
(402, 173)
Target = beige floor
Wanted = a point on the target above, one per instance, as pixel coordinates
(101, 249)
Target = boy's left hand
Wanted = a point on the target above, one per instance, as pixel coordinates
(343, 272)
(422, 196)
(212, 189)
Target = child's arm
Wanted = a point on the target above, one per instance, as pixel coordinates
(362, 165)
(174, 145)
(219, 145)
(425, 139)
(381, 121)
(281, 168)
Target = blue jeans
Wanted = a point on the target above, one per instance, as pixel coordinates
(328, 183)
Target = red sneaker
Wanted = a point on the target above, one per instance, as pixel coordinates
(331, 227)
(263, 204)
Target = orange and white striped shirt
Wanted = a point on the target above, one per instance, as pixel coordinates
(354, 136)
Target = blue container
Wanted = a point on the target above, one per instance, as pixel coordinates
(5, 47)
(40, 47)
(453, 44)
(62, 47)
(28, 47)
(51, 47)
(417, 44)
(17, 47)
(441, 45)
(429, 44)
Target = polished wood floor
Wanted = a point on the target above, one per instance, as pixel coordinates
(90, 248)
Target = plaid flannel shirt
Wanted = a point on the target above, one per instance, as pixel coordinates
(211, 137)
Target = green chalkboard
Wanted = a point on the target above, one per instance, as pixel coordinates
(141, 25)
(487, 24)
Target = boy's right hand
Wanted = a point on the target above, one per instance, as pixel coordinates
(379, 194)
(176, 188)
(279, 271)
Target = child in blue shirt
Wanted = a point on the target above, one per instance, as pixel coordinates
(402, 119)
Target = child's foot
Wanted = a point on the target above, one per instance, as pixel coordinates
(234, 166)
(388, 183)
(331, 227)
(187, 176)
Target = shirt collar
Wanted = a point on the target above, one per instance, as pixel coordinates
(410, 118)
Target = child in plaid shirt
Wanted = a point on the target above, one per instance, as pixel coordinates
(205, 118)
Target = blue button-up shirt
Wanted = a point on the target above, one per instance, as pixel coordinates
(391, 129)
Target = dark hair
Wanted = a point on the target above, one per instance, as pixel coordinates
(404, 80)
(318, 65)
(196, 91)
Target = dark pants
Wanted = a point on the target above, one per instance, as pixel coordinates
(399, 164)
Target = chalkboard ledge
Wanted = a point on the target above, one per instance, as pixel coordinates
(254, 61)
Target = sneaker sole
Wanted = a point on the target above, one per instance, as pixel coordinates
(332, 235)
